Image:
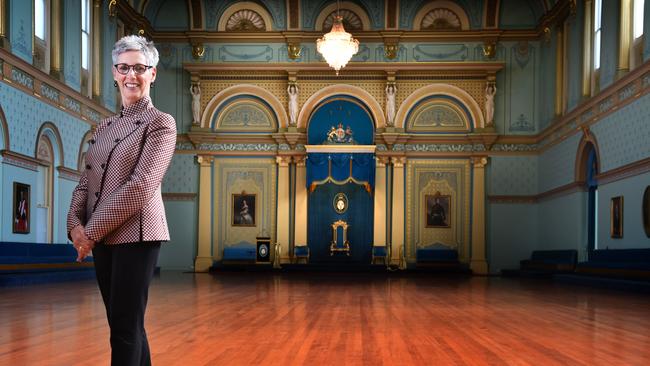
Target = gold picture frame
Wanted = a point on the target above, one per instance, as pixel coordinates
(21, 209)
(646, 211)
(244, 209)
(437, 210)
(616, 217)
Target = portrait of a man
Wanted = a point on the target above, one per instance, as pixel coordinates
(20, 222)
(243, 209)
(438, 210)
(616, 217)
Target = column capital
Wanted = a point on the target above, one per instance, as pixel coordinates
(283, 160)
(398, 161)
(382, 161)
(479, 161)
(299, 160)
(204, 160)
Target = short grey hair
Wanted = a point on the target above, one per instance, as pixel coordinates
(136, 43)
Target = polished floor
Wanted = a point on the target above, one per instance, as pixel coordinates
(336, 319)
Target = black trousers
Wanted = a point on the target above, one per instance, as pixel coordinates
(124, 272)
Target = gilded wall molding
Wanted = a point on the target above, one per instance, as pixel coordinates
(19, 160)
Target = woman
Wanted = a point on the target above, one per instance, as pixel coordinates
(117, 209)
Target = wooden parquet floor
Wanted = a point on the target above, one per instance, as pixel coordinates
(336, 319)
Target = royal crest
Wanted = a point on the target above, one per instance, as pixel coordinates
(338, 135)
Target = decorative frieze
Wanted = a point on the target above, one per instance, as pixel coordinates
(72, 104)
(238, 147)
(514, 147)
(50, 93)
(22, 78)
(171, 196)
(68, 174)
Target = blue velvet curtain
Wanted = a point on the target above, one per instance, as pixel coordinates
(359, 216)
(340, 168)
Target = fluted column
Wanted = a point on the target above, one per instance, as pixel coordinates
(397, 219)
(586, 50)
(478, 262)
(4, 25)
(56, 40)
(624, 38)
(204, 250)
(283, 203)
(380, 203)
(300, 226)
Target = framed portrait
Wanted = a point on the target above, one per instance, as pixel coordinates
(437, 210)
(616, 217)
(243, 209)
(21, 220)
(646, 211)
(340, 203)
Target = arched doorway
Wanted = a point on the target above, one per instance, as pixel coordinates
(340, 168)
(587, 173)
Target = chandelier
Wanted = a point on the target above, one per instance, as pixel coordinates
(337, 46)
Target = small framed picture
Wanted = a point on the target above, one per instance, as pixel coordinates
(438, 210)
(243, 209)
(21, 220)
(616, 217)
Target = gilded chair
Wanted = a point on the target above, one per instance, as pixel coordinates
(379, 253)
(340, 241)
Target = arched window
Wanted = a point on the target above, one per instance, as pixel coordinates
(587, 169)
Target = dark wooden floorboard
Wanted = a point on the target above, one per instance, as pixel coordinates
(336, 319)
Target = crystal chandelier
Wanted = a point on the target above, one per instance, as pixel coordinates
(337, 46)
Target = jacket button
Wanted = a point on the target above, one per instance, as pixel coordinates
(138, 122)
(109, 123)
(88, 166)
(92, 141)
(117, 140)
(103, 165)
(96, 194)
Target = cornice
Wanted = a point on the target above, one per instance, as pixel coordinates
(470, 67)
(25, 77)
(172, 196)
(623, 172)
(19, 160)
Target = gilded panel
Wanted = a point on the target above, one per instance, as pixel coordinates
(438, 115)
(446, 177)
(245, 115)
(234, 176)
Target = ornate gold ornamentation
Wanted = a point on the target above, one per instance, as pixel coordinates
(573, 7)
(490, 49)
(547, 34)
(112, 8)
(294, 50)
(479, 161)
(245, 20)
(390, 50)
(198, 50)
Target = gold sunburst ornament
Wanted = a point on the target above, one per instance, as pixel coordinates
(337, 46)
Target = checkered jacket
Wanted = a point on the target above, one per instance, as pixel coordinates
(118, 198)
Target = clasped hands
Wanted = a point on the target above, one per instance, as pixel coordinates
(81, 243)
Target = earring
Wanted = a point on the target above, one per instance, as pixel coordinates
(115, 83)
(151, 85)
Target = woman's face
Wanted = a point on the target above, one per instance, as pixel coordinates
(133, 87)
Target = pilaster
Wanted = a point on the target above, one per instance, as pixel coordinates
(283, 202)
(397, 218)
(204, 250)
(380, 202)
(4, 25)
(56, 40)
(478, 262)
(300, 227)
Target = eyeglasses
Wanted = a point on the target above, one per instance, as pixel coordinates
(138, 69)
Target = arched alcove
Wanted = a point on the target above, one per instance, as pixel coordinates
(243, 15)
(347, 111)
(4, 131)
(433, 14)
(248, 91)
(347, 9)
(374, 108)
(461, 99)
(50, 130)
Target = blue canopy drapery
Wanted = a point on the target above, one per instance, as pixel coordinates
(341, 168)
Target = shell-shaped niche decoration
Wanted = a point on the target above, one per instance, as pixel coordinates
(351, 21)
(245, 21)
(441, 19)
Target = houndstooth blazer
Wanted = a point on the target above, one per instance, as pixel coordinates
(118, 198)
